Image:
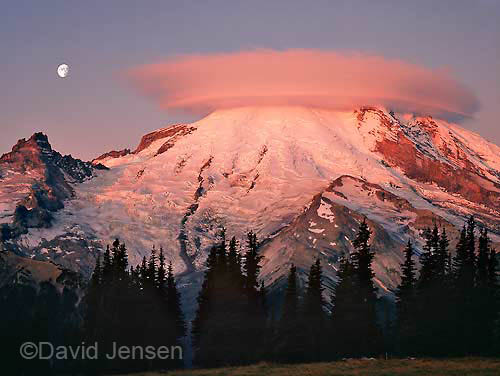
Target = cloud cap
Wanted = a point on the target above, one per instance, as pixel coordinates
(199, 84)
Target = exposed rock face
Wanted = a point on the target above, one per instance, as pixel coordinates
(436, 159)
(466, 181)
(436, 154)
(111, 154)
(171, 132)
(329, 224)
(36, 153)
(39, 179)
(301, 178)
(17, 270)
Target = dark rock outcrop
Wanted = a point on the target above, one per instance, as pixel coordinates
(172, 132)
(18, 270)
(418, 151)
(111, 154)
(50, 176)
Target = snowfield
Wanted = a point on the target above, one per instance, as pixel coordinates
(291, 174)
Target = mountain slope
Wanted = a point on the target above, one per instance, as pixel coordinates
(35, 182)
(301, 178)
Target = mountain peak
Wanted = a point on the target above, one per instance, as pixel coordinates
(37, 142)
(39, 136)
(39, 180)
(301, 178)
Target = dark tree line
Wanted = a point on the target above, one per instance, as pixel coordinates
(135, 307)
(452, 307)
(124, 306)
(230, 323)
(355, 325)
(306, 332)
(36, 314)
(233, 326)
(448, 307)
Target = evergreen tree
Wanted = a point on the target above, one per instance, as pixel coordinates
(251, 267)
(463, 292)
(289, 343)
(205, 303)
(442, 286)
(462, 268)
(405, 302)
(483, 259)
(96, 277)
(486, 302)
(227, 299)
(234, 263)
(345, 334)
(442, 255)
(291, 302)
(175, 326)
(314, 296)
(433, 305)
(119, 261)
(425, 292)
(494, 307)
(115, 259)
(161, 276)
(107, 266)
(354, 313)
(174, 305)
(222, 263)
(164, 324)
(151, 268)
(314, 314)
(427, 259)
(362, 259)
(93, 300)
(143, 272)
(471, 241)
(206, 326)
(255, 314)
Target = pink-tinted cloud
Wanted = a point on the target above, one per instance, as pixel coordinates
(202, 83)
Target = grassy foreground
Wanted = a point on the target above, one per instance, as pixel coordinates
(421, 367)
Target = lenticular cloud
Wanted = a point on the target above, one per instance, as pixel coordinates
(199, 84)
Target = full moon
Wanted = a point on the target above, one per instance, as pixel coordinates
(63, 70)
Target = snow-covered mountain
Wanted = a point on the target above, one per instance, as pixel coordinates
(302, 178)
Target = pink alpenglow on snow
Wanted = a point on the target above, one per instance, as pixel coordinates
(199, 84)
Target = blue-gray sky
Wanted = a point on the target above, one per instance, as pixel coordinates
(95, 110)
